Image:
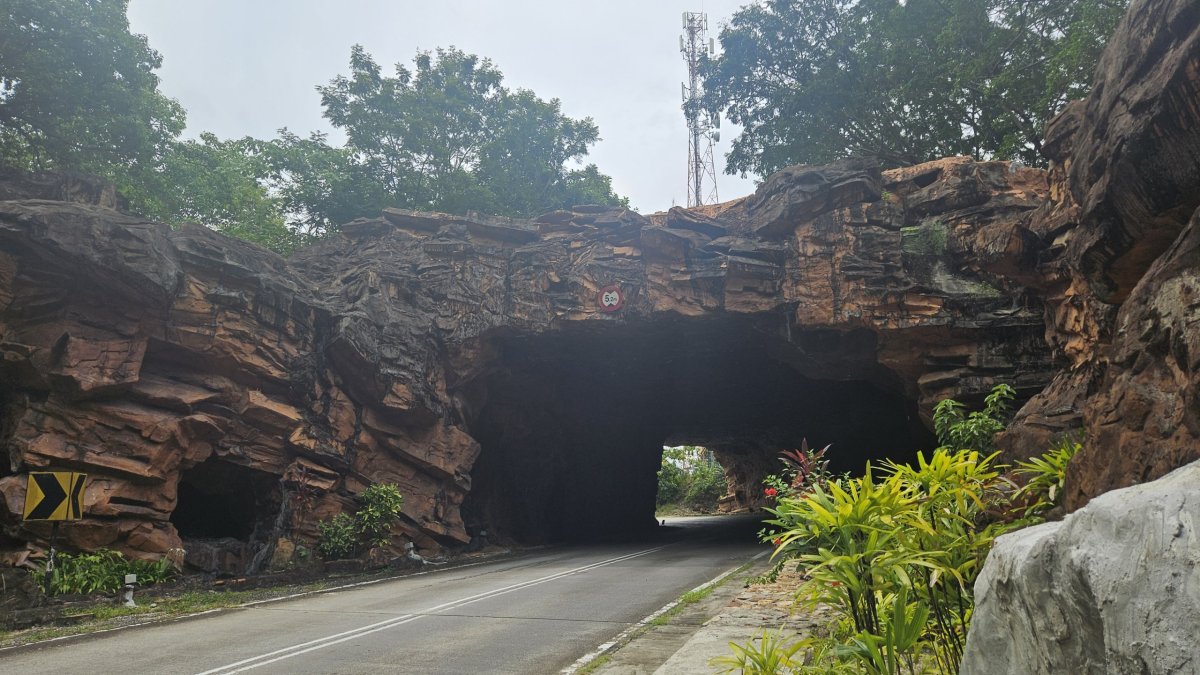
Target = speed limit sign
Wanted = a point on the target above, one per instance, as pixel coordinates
(610, 298)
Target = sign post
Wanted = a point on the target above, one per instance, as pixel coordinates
(55, 496)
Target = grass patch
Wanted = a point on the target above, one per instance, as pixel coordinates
(594, 665)
(108, 615)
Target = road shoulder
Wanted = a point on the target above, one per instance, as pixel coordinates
(683, 642)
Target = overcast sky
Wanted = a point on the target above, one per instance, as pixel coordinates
(249, 67)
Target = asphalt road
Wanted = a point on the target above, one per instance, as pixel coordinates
(533, 614)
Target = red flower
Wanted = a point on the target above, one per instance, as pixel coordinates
(835, 583)
(777, 541)
(770, 492)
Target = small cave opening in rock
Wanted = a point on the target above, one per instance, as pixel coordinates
(224, 514)
(573, 423)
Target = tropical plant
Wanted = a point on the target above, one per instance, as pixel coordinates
(102, 571)
(378, 513)
(897, 555)
(1047, 475)
(803, 469)
(370, 526)
(897, 551)
(766, 654)
(956, 429)
(337, 538)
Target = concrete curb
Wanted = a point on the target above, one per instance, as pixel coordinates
(631, 633)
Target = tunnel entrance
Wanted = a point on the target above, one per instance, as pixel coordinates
(224, 514)
(573, 423)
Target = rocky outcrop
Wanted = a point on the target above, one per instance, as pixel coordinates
(522, 376)
(185, 374)
(1113, 588)
(224, 399)
(1122, 274)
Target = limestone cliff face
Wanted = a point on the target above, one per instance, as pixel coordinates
(221, 395)
(1122, 276)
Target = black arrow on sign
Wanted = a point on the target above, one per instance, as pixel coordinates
(75, 506)
(52, 496)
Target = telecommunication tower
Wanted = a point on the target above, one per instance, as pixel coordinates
(703, 126)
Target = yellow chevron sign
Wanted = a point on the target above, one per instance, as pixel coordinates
(54, 495)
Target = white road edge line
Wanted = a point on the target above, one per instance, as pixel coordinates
(330, 640)
(611, 644)
(243, 605)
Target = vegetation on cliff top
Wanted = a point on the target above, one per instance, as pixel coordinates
(907, 81)
(78, 92)
(809, 82)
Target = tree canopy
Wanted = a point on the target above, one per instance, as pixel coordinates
(811, 81)
(78, 92)
(443, 136)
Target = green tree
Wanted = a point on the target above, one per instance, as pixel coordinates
(690, 476)
(445, 136)
(319, 186)
(78, 90)
(813, 81)
(215, 183)
(523, 162)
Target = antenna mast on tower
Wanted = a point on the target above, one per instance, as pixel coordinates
(703, 127)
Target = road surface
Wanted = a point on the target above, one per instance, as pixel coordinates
(533, 614)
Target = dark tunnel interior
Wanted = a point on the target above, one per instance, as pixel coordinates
(572, 423)
(219, 499)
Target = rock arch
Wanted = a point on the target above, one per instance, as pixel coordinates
(468, 359)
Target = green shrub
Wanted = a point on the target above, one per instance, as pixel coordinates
(897, 551)
(102, 571)
(803, 470)
(671, 479)
(370, 526)
(1047, 474)
(957, 430)
(336, 538)
(897, 555)
(705, 487)
(381, 504)
(767, 654)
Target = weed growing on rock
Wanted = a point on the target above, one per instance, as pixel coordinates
(1047, 474)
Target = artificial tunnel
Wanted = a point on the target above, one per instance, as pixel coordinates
(572, 423)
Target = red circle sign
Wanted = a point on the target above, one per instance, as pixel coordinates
(610, 298)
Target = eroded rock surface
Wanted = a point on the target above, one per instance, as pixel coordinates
(1122, 275)
(224, 399)
(1113, 588)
